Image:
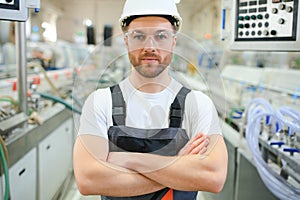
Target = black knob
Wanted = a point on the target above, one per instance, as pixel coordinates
(273, 32)
(241, 18)
(281, 6)
(281, 21)
(259, 33)
(266, 33)
(274, 10)
(241, 25)
(267, 24)
(289, 9)
(259, 16)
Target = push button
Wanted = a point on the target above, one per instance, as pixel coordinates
(281, 21)
(259, 17)
(267, 24)
(241, 26)
(274, 10)
(273, 32)
(266, 33)
(289, 9)
(241, 18)
(281, 6)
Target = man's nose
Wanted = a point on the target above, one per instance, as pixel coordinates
(150, 43)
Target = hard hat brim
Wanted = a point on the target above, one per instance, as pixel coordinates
(176, 21)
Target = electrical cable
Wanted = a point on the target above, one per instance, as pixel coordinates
(60, 100)
(4, 160)
(11, 100)
(76, 100)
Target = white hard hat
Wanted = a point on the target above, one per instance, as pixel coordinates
(134, 8)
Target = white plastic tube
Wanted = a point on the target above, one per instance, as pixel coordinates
(293, 114)
(273, 181)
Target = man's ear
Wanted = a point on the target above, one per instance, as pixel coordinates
(174, 43)
(126, 41)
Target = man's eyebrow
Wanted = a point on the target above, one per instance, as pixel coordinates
(143, 31)
(162, 30)
(137, 30)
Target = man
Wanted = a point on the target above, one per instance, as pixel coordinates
(149, 137)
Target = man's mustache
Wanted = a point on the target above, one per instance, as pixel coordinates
(150, 55)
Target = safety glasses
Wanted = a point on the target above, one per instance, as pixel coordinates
(138, 38)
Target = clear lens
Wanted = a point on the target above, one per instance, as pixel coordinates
(139, 38)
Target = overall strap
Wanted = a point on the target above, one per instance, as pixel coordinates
(118, 106)
(177, 108)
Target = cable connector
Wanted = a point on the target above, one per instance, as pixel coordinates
(226, 6)
(36, 4)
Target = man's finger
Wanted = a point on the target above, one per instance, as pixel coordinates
(198, 148)
(199, 142)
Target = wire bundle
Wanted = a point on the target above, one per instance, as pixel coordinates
(257, 110)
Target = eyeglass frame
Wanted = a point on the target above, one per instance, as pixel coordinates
(171, 34)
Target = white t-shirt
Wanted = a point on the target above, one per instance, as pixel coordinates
(149, 110)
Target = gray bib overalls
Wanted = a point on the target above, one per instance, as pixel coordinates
(167, 141)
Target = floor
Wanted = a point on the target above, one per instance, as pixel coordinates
(74, 194)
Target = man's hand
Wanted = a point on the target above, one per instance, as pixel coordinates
(197, 145)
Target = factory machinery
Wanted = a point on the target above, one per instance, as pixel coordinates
(258, 103)
(37, 142)
(36, 126)
(261, 121)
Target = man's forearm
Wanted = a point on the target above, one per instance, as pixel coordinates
(97, 177)
(170, 171)
(190, 172)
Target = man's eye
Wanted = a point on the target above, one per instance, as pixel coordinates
(138, 36)
(162, 36)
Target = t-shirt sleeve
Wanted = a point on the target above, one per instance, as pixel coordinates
(201, 115)
(93, 119)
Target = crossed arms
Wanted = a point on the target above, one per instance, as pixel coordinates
(197, 167)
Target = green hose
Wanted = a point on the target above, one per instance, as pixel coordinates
(60, 100)
(10, 100)
(7, 100)
(5, 169)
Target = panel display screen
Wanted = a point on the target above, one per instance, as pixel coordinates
(266, 25)
(14, 10)
(9, 4)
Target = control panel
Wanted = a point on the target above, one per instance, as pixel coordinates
(13, 10)
(271, 25)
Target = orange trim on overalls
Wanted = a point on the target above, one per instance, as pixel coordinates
(168, 195)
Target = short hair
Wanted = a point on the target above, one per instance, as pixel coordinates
(128, 20)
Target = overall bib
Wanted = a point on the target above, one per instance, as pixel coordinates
(166, 142)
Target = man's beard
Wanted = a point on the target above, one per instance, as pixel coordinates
(150, 70)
